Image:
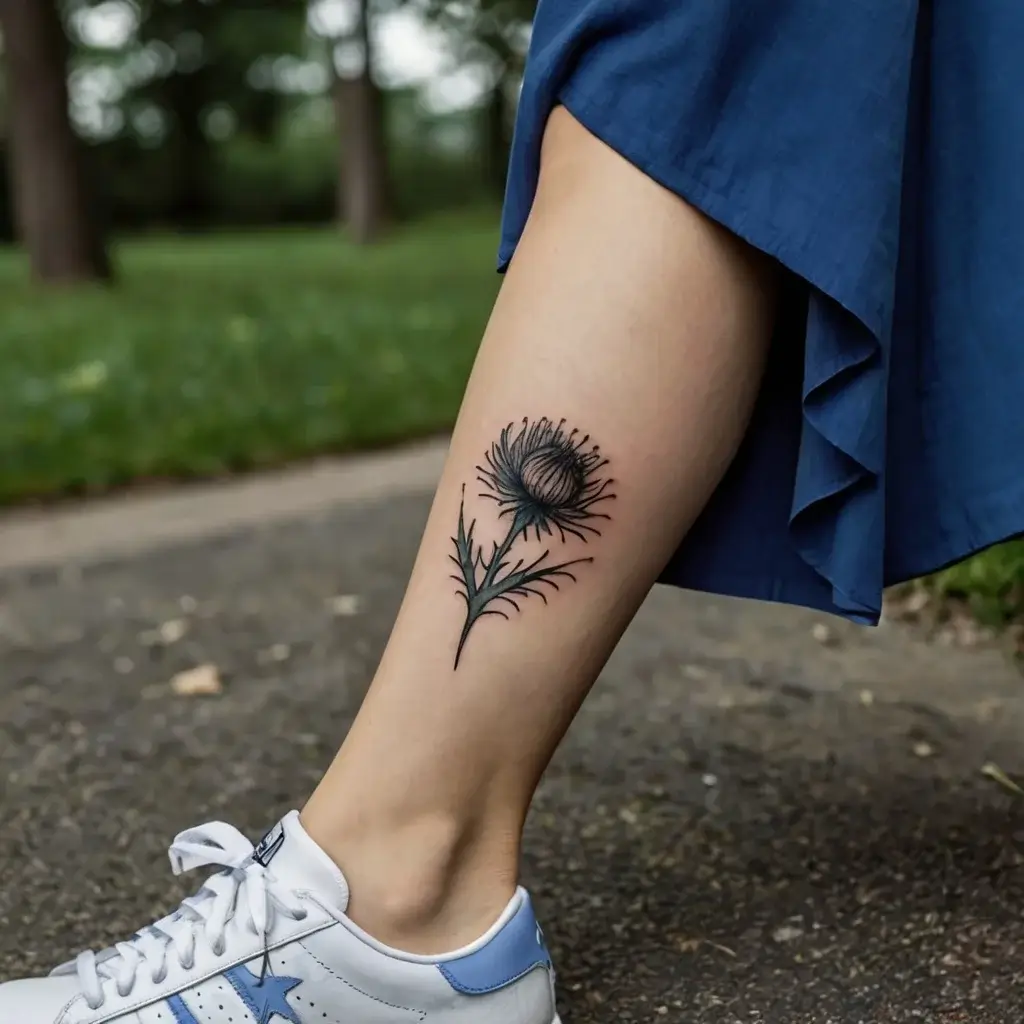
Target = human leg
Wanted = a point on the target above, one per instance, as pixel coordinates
(635, 319)
(631, 318)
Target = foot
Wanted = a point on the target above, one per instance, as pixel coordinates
(266, 940)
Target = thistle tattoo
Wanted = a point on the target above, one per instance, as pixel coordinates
(545, 480)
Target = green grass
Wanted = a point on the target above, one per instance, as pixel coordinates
(992, 584)
(225, 353)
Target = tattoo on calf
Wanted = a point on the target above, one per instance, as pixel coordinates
(546, 481)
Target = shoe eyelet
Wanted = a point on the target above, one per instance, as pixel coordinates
(218, 948)
(160, 978)
(302, 915)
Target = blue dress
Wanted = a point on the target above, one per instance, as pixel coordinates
(875, 148)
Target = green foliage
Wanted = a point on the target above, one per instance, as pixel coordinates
(260, 182)
(183, 55)
(225, 353)
(202, 56)
(215, 46)
(205, 114)
(992, 582)
(293, 178)
(495, 28)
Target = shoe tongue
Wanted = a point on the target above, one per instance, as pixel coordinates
(291, 855)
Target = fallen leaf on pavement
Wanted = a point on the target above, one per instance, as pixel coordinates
(201, 681)
(173, 630)
(824, 634)
(345, 605)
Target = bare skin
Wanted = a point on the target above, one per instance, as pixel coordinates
(644, 327)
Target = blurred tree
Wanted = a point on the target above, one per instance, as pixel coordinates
(6, 197)
(193, 73)
(55, 212)
(207, 89)
(494, 35)
(365, 205)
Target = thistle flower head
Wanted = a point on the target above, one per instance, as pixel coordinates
(546, 478)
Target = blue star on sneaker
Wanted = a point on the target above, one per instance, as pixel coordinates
(267, 998)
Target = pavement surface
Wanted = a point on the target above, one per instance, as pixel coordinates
(752, 820)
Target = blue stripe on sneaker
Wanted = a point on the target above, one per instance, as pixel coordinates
(180, 1011)
(516, 950)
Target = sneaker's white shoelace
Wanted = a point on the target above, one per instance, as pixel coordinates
(242, 885)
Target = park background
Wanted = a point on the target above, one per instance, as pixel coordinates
(235, 234)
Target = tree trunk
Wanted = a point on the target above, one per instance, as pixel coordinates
(55, 214)
(364, 185)
(192, 153)
(497, 142)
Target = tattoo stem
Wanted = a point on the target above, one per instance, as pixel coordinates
(463, 638)
(519, 581)
(475, 607)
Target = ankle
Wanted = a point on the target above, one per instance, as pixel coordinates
(425, 885)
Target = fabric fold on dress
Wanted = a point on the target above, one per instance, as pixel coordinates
(807, 129)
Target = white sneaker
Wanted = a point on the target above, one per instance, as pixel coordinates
(266, 940)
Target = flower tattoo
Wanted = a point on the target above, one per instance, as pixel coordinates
(546, 482)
